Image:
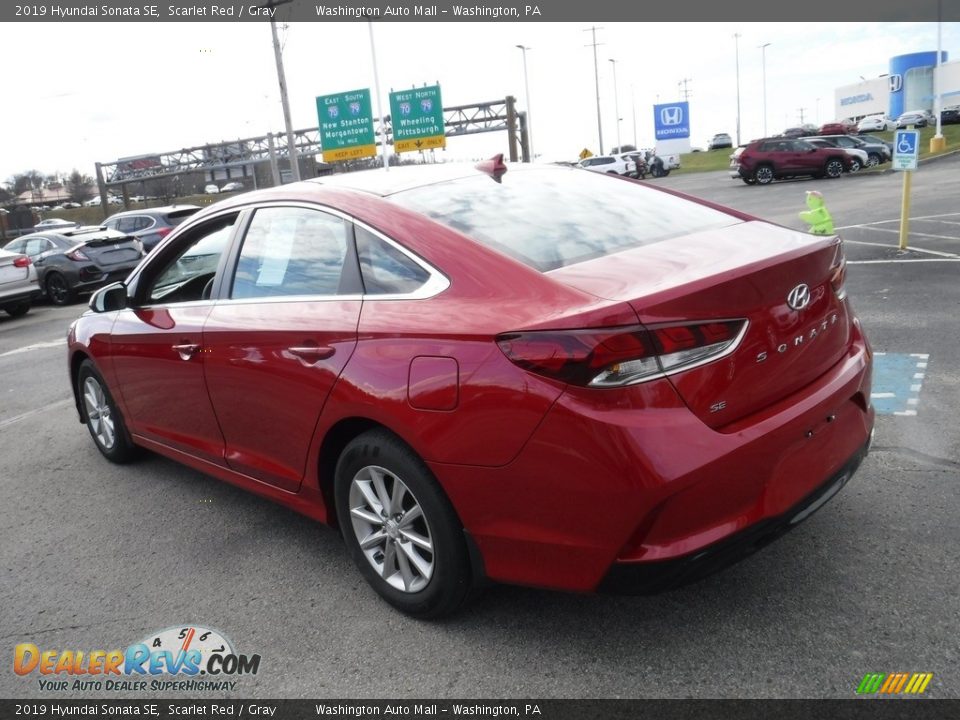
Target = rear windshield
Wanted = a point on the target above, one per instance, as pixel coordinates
(550, 218)
(178, 216)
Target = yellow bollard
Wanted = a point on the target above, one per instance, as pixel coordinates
(905, 209)
(938, 143)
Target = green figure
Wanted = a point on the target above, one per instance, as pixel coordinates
(817, 217)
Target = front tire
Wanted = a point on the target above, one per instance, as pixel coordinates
(854, 165)
(102, 417)
(873, 159)
(400, 528)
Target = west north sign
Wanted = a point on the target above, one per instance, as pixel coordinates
(417, 117)
(346, 125)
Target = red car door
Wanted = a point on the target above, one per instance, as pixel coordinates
(157, 347)
(279, 337)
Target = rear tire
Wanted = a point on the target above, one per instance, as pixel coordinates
(400, 529)
(833, 168)
(854, 165)
(102, 417)
(763, 175)
(749, 181)
(58, 289)
(18, 309)
(873, 159)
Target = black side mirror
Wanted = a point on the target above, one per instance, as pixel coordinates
(109, 298)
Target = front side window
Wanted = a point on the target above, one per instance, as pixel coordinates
(291, 251)
(189, 275)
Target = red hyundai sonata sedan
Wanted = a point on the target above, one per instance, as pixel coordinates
(542, 376)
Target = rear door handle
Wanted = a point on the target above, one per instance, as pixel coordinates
(186, 351)
(312, 353)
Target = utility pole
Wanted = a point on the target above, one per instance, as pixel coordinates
(284, 100)
(763, 55)
(801, 111)
(616, 104)
(736, 43)
(596, 79)
(376, 86)
(685, 92)
(526, 90)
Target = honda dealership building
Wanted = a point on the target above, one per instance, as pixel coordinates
(909, 85)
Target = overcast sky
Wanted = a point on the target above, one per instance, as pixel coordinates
(76, 93)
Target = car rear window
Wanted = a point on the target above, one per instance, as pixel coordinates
(178, 216)
(551, 218)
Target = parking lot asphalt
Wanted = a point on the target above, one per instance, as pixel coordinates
(95, 556)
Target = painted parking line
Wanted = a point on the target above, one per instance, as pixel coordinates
(897, 381)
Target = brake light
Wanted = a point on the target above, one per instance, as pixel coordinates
(22, 262)
(77, 255)
(838, 273)
(162, 232)
(613, 357)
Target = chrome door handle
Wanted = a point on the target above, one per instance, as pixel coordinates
(186, 351)
(312, 353)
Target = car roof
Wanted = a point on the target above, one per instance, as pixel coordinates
(86, 232)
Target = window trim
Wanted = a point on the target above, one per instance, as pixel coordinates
(436, 282)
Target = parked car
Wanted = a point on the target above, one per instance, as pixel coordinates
(95, 202)
(950, 115)
(856, 158)
(232, 187)
(54, 224)
(762, 161)
(916, 118)
(211, 189)
(841, 127)
(876, 140)
(622, 164)
(876, 123)
(720, 140)
(474, 379)
(877, 152)
(69, 262)
(18, 283)
(150, 225)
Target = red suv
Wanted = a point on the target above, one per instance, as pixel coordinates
(843, 127)
(762, 161)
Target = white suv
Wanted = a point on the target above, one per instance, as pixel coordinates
(614, 164)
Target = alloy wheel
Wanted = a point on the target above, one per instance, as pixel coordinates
(391, 529)
(57, 290)
(99, 414)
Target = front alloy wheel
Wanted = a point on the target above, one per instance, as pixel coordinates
(855, 165)
(102, 417)
(58, 290)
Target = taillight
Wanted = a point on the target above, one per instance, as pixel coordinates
(838, 273)
(613, 357)
(162, 232)
(21, 262)
(77, 255)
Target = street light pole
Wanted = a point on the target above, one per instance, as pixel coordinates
(526, 90)
(376, 89)
(616, 103)
(596, 80)
(938, 143)
(736, 44)
(763, 55)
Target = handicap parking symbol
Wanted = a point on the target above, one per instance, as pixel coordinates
(907, 143)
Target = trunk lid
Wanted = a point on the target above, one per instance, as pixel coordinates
(112, 251)
(743, 271)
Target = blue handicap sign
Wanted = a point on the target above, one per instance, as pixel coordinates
(906, 142)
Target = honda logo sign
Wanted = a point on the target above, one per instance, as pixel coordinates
(672, 115)
(671, 121)
(896, 83)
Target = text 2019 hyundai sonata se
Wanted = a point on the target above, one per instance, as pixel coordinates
(542, 376)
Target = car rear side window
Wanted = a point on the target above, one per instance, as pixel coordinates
(386, 270)
(551, 218)
(291, 251)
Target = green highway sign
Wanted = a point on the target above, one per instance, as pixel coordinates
(346, 125)
(417, 118)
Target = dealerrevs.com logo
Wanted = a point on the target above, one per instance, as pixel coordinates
(200, 658)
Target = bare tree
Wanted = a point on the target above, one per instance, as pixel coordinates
(79, 186)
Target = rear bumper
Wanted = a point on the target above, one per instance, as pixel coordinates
(648, 578)
(632, 478)
(27, 294)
